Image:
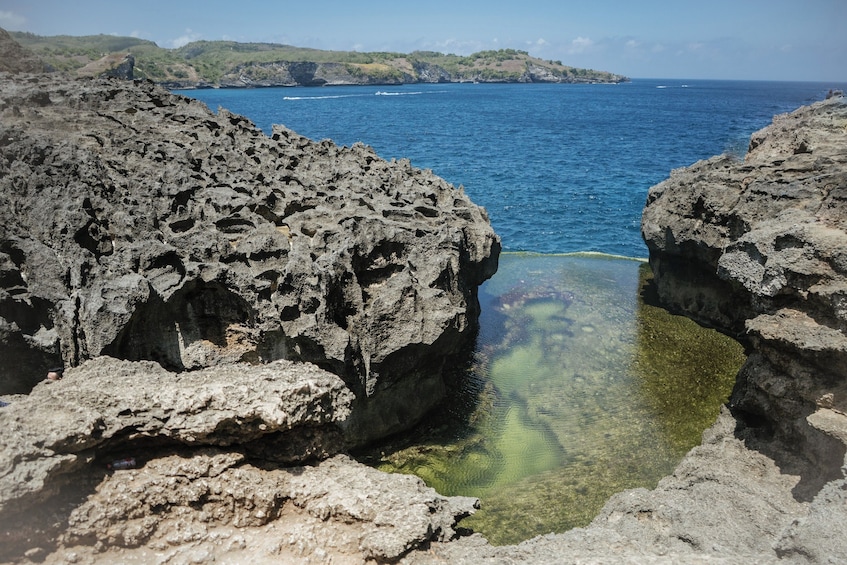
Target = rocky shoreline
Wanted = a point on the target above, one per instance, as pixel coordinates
(236, 311)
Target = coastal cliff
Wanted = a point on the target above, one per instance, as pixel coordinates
(230, 64)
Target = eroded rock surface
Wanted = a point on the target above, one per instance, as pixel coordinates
(759, 249)
(214, 506)
(138, 224)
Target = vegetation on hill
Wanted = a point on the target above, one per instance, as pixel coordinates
(228, 63)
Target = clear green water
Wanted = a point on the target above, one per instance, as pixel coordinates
(578, 389)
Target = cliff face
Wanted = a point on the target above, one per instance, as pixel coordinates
(759, 249)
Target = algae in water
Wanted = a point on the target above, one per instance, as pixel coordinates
(578, 389)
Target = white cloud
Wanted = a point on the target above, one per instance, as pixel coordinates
(455, 46)
(580, 45)
(541, 42)
(184, 39)
(11, 20)
(632, 44)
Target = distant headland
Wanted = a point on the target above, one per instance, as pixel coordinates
(228, 64)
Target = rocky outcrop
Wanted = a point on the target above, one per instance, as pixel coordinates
(757, 248)
(207, 475)
(138, 224)
(16, 59)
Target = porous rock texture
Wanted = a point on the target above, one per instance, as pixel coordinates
(138, 224)
(758, 249)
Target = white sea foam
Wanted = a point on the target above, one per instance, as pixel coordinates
(323, 97)
(381, 93)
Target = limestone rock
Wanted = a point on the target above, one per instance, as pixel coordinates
(758, 249)
(281, 411)
(138, 224)
(212, 505)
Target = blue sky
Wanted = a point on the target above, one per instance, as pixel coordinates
(719, 39)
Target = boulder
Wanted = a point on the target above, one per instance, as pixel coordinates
(138, 224)
(127, 456)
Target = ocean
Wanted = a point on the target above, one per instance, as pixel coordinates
(578, 388)
(561, 168)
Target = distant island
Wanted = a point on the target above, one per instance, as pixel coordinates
(228, 64)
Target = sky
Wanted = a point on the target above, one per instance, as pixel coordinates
(803, 40)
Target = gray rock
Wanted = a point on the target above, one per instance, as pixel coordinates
(281, 411)
(139, 225)
(758, 249)
(215, 506)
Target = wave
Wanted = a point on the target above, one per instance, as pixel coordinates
(377, 93)
(327, 97)
(381, 93)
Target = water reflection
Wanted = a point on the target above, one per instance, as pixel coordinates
(578, 389)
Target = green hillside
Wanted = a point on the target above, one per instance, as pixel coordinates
(228, 63)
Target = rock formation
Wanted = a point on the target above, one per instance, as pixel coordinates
(759, 249)
(138, 224)
(16, 59)
(205, 478)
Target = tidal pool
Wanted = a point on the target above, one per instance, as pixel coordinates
(578, 389)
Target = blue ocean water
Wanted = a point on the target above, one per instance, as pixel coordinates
(560, 168)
